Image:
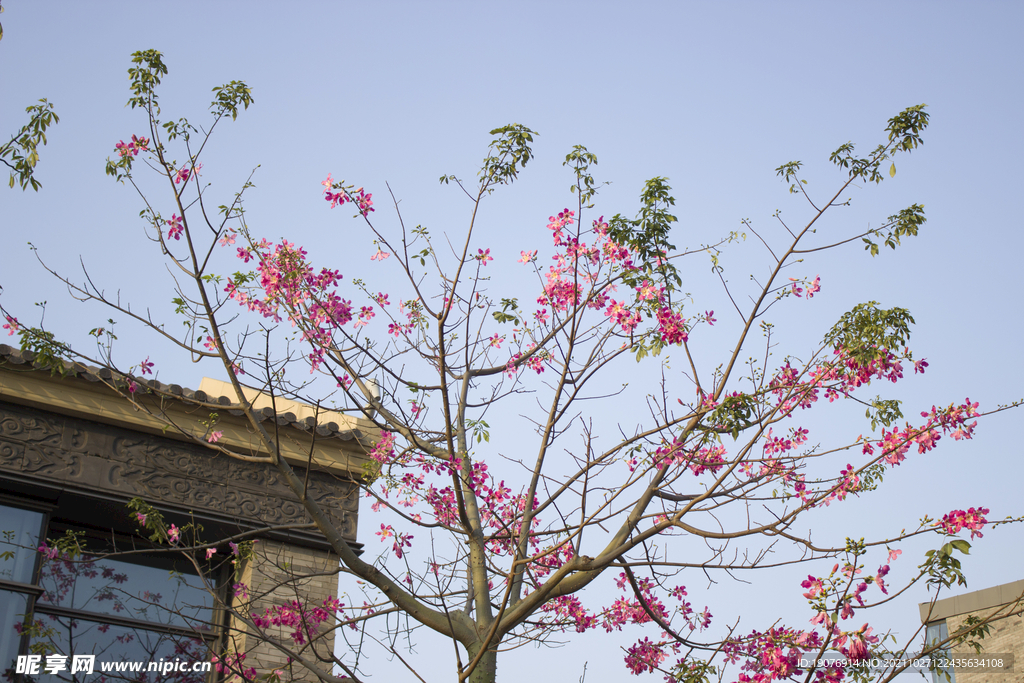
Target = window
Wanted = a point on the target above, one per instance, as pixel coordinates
(132, 609)
(936, 633)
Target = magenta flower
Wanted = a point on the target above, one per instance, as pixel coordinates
(175, 228)
(185, 172)
(173, 534)
(145, 367)
(483, 256)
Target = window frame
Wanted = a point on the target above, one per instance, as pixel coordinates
(51, 526)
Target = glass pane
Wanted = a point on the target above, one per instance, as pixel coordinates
(156, 594)
(119, 653)
(12, 611)
(19, 535)
(936, 633)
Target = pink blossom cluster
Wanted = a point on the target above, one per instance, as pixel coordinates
(705, 459)
(401, 540)
(578, 266)
(671, 326)
(308, 298)
(812, 288)
(952, 420)
(973, 519)
(186, 172)
(362, 200)
(384, 450)
(132, 148)
(305, 621)
(770, 655)
(837, 377)
(234, 664)
(535, 360)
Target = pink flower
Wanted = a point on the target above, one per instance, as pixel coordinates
(132, 148)
(210, 552)
(173, 534)
(363, 201)
(527, 256)
(798, 291)
(893, 554)
(11, 326)
(185, 172)
(672, 326)
(141, 517)
(859, 643)
(814, 287)
(175, 227)
(145, 367)
(496, 341)
(380, 255)
(483, 256)
(132, 387)
(214, 437)
(973, 519)
(227, 239)
(709, 317)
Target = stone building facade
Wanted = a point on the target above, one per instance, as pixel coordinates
(73, 454)
(1004, 605)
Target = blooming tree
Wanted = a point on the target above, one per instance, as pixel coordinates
(491, 541)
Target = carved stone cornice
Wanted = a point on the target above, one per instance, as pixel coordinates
(89, 457)
(338, 443)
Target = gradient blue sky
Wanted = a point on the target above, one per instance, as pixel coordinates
(713, 96)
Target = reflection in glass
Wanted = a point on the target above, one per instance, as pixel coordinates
(936, 633)
(110, 586)
(12, 609)
(126, 653)
(19, 534)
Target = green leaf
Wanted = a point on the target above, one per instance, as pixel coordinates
(962, 546)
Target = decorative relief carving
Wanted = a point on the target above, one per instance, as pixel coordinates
(160, 470)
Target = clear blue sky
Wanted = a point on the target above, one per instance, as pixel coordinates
(712, 96)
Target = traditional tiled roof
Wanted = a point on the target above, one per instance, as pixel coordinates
(357, 429)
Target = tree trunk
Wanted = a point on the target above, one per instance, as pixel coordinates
(487, 668)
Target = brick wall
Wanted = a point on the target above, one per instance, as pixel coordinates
(1006, 636)
(277, 575)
